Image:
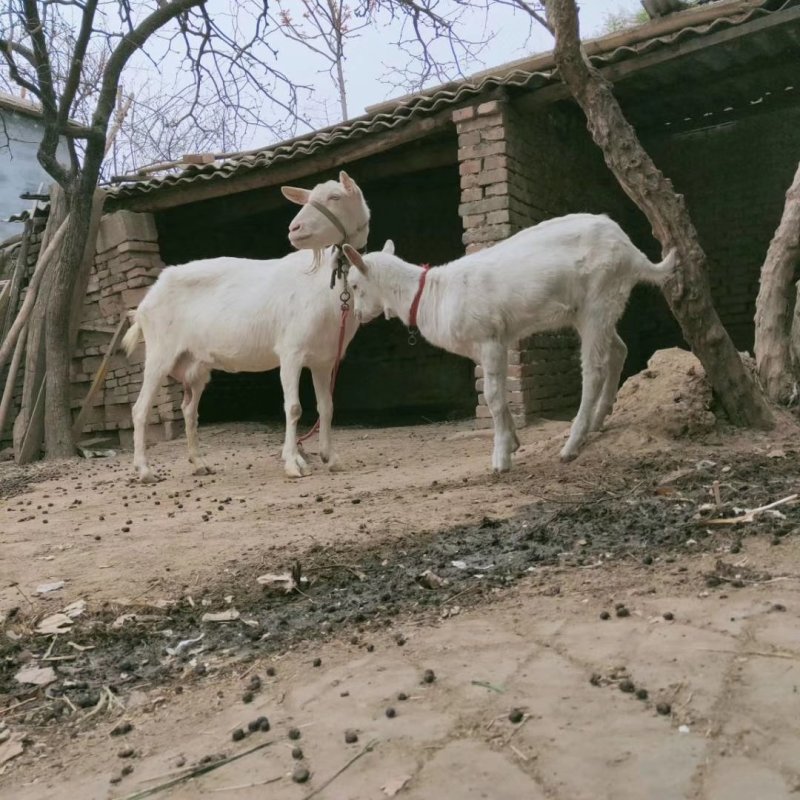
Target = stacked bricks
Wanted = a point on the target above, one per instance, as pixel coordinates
(127, 262)
(500, 157)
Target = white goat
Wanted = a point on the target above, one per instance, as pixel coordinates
(576, 271)
(243, 315)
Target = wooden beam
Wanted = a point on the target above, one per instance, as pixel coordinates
(98, 380)
(329, 157)
(217, 211)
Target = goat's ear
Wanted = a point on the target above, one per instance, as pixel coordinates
(349, 185)
(354, 257)
(296, 195)
(388, 247)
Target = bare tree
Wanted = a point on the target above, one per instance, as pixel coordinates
(323, 27)
(778, 370)
(688, 293)
(237, 68)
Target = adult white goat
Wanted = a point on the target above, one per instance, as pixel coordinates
(243, 315)
(575, 271)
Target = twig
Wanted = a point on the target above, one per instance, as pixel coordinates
(333, 565)
(519, 753)
(99, 707)
(70, 703)
(750, 513)
(248, 785)
(458, 594)
(518, 728)
(790, 656)
(368, 749)
(487, 685)
(195, 772)
(19, 589)
(4, 711)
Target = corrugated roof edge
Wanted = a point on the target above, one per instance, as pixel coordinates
(626, 44)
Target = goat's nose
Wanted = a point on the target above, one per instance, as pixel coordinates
(295, 226)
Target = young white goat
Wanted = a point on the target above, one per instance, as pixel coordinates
(243, 315)
(573, 271)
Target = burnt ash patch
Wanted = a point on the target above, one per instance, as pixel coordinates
(361, 589)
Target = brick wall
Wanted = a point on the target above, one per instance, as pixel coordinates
(517, 170)
(126, 263)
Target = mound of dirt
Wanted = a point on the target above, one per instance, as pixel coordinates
(670, 398)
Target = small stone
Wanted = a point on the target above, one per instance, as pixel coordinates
(271, 672)
(180, 761)
(736, 548)
(778, 607)
(255, 683)
(627, 686)
(623, 612)
(300, 774)
(317, 662)
(115, 779)
(665, 709)
(247, 697)
(647, 560)
(126, 752)
(350, 736)
(669, 616)
(390, 712)
(122, 729)
(370, 648)
(294, 733)
(641, 694)
(344, 694)
(605, 615)
(297, 752)
(429, 676)
(515, 715)
(127, 769)
(401, 640)
(402, 696)
(595, 679)
(238, 735)
(712, 581)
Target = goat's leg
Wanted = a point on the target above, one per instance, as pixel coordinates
(322, 375)
(595, 345)
(294, 464)
(616, 361)
(152, 378)
(192, 392)
(494, 360)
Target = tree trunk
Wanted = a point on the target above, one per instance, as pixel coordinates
(794, 342)
(688, 292)
(57, 403)
(35, 364)
(773, 305)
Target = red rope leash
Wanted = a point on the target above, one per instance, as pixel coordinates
(412, 315)
(334, 371)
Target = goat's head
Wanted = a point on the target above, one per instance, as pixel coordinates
(368, 295)
(347, 219)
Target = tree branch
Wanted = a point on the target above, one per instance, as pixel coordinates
(78, 56)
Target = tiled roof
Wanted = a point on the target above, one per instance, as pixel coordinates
(530, 73)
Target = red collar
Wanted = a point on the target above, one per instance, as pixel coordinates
(412, 315)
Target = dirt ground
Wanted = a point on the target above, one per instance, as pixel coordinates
(412, 558)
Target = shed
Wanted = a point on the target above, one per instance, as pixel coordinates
(714, 93)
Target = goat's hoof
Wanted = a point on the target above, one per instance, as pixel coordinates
(333, 463)
(568, 455)
(146, 476)
(296, 468)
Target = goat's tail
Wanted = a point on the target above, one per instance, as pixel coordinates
(131, 338)
(657, 273)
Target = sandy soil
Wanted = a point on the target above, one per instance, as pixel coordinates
(727, 663)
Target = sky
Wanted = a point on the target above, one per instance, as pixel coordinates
(371, 56)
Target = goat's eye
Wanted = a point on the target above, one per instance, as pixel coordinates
(336, 197)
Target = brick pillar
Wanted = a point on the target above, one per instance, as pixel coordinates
(499, 155)
(127, 262)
